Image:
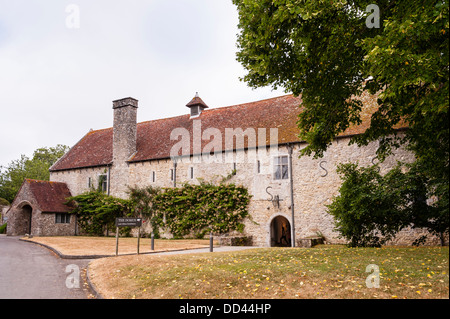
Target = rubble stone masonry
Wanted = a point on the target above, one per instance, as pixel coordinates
(315, 183)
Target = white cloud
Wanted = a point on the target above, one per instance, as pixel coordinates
(56, 83)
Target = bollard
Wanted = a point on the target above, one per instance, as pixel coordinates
(138, 239)
(211, 243)
(117, 241)
(153, 241)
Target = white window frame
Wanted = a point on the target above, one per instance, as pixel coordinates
(279, 162)
(62, 218)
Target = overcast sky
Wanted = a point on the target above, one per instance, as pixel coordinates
(59, 74)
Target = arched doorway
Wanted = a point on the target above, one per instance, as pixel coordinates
(27, 212)
(280, 232)
(23, 219)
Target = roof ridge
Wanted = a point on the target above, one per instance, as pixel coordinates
(220, 108)
(41, 181)
(98, 130)
(205, 111)
(162, 119)
(254, 102)
(153, 135)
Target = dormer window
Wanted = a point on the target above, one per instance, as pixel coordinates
(196, 105)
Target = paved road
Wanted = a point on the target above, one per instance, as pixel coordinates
(29, 271)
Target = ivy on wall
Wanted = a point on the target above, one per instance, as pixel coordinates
(142, 201)
(198, 209)
(97, 212)
(188, 210)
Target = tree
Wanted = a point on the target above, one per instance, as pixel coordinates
(12, 176)
(371, 209)
(368, 210)
(326, 52)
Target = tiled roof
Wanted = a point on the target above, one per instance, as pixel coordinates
(153, 137)
(50, 196)
(94, 149)
(197, 101)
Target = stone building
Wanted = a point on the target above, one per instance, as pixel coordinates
(259, 140)
(39, 210)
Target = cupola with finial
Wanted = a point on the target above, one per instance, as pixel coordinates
(196, 105)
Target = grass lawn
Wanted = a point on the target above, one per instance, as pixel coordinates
(84, 245)
(320, 272)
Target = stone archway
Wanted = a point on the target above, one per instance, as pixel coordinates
(27, 211)
(280, 232)
(23, 219)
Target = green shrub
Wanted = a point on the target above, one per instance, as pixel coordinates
(368, 211)
(371, 208)
(3, 228)
(3, 202)
(97, 211)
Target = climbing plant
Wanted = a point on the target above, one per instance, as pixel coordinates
(187, 210)
(142, 200)
(97, 212)
(198, 209)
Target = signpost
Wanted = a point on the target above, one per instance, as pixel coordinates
(127, 222)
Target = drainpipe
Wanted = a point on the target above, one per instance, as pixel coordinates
(175, 173)
(109, 178)
(291, 185)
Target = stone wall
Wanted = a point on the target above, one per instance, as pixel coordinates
(315, 183)
(3, 210)
(48, 226)
(77, 180)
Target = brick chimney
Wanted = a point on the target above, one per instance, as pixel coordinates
(124, 143)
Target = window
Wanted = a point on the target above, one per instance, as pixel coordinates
(62, 219)
(281, 167)
(191, 173)
(89, 182)
(171, 174)
(103, 183)
(258, 166)
(153, 176)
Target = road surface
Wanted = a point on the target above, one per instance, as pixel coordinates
(30, 271)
